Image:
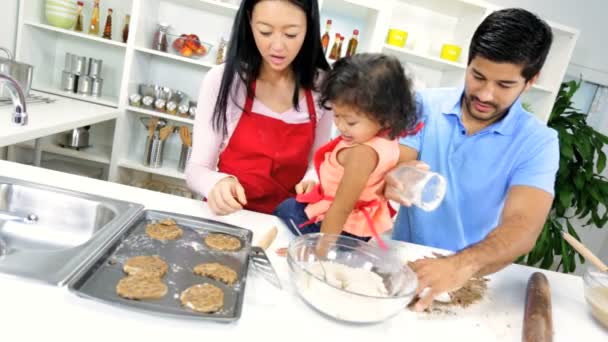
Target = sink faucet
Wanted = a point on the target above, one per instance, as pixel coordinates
(20, 113)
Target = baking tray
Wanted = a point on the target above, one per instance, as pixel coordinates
(98, 281)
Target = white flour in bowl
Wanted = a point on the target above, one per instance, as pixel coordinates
(366, 301)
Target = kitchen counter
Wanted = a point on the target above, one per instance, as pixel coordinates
(50, 118)
(35, 311)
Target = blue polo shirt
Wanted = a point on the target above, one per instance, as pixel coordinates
(480, 169)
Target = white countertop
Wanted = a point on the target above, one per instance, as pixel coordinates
(35, 311)
(49, 118)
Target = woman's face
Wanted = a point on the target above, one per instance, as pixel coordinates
(279, 28)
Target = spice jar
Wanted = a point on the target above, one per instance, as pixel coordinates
(135, 100)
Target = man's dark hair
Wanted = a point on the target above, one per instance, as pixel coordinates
(513, 35)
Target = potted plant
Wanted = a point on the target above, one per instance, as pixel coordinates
(581, 192)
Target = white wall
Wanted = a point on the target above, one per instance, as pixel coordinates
(589, 17)
(8, 26)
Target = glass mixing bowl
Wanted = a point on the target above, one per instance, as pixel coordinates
(596, 293)
(353, 281)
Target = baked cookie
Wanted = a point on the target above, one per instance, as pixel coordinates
(146, 266)
(161, 231)
(137, 287)
(168, 222)
(223, 242)
(205, 298)
(216, 271)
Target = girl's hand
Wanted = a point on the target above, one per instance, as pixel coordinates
(227, 196)
(305, 187)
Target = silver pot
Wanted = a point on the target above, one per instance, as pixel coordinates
(21, 72)
(77, 138)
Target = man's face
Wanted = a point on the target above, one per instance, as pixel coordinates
(491, 88)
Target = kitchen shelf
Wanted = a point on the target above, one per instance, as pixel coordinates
(541, 88)
(102, 100)
(418, 58)
(175, 57)
(160, 115)
(75, 34)
(167, 171)
(214, 5)
(96, 153)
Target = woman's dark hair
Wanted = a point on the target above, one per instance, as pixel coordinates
(374, 84)
(513, 35)
(243, 57)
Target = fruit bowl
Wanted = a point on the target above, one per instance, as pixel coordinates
(189, 45)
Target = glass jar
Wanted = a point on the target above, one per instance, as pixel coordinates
(160, 41)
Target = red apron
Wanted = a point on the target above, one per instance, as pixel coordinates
(268, 156)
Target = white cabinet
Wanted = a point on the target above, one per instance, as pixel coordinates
(429, 23)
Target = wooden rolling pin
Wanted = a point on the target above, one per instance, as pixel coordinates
(538, 321)
(268, 238)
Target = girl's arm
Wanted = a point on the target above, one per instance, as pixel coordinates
(358, 162)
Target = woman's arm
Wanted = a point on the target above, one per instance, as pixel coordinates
(322, 137)
(358, 162)
(201, 174)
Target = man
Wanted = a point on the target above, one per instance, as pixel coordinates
(499, 160)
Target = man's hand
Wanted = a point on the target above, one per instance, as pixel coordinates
(442, 274)
(305, 187)
(393, 188)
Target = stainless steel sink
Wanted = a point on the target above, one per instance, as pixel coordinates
(68, 227)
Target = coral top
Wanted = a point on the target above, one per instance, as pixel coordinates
(370, 202)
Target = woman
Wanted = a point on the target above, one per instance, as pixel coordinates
(257, 120)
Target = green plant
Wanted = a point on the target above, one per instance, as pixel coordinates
(580, 191)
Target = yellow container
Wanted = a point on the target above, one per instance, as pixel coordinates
(396, 37)
(450, 52)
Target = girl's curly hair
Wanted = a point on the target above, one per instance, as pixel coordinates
(374, 84)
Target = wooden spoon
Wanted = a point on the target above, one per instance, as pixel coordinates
(585, 252)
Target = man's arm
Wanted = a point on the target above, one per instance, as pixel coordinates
(523, 216)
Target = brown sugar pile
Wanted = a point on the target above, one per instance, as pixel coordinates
(472, 292)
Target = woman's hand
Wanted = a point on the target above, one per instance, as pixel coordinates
(227, 196)
(305, 187)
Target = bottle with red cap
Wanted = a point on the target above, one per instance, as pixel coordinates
(325, 37)
(334, 54)
(352, 44)
(79, 20)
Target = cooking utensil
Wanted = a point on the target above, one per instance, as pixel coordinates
(268, 238)
(538, 321)
(97, 278)
(585, 252)
(78, 137)
(297, 230)
(260, 262)
(342, 296)
(184, 156)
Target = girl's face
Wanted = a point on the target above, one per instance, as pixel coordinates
(354, 126)
(279, 29)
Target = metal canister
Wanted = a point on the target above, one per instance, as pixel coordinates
(68, 62)
(85, 84)
(97, 86)
(159, 105)
(135, 100)
(182, 110)
(192, 109)
(148, 101)
(171, 107)
(79, 65)
(94, 69)
(69, 81)
(184, 156)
